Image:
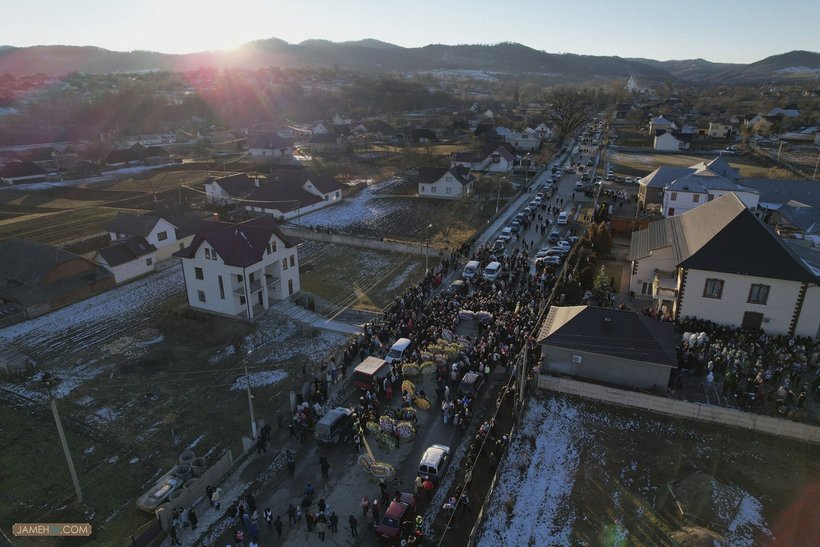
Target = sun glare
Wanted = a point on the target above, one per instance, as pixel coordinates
(185, 26)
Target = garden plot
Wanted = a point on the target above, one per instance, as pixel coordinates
(361, 278)
(596, 474)
(94, 322)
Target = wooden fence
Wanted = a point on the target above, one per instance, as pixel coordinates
(684, 409)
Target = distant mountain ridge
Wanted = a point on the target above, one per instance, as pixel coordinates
(369, 55)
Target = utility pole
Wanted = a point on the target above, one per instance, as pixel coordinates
(779, 149)
(250, 397)
(427, 250)
(816, 164)
(49, 381)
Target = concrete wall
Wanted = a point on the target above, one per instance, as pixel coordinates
(603, 368)
(684, 409)
(133, 269)
(367, 243)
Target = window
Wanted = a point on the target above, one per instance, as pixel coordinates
(221, 288)
(293, 260)
(695, 198)
(713, 288)
(449, 178)
(207, 253)
(213, 254)
(432, 189)
(671, 212)
(149, 261)
(423, 189)
(673, 196)
(284, 263)
(239, 278)
(449, 190)
(290, 286)
(198, 273)
(162, 236)
(758, 294)
(201, 295)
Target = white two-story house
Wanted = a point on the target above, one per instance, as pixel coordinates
(238, 270)
(690, 191)
(443, 183)
(721, 263)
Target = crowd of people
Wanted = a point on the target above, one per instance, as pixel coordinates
(750, 368)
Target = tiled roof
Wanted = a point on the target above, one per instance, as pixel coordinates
(126, 251)
(132, 224)
(721, 236)
(663, 176)
(325, 183)
(270, 140)
(239, 185)
(15, 169)
(240, 245)
(616, 333)
(283, 196)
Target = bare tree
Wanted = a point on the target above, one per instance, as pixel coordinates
(570, 108)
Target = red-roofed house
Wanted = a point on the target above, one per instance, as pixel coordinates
(237, 270)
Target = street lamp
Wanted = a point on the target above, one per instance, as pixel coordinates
(250, 397)
(427, 250)
(498, 197)
(50, 381)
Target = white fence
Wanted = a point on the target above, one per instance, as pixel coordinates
(684, 409)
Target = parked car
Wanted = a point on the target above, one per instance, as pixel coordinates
(457, 287)
(400, 510)
(498, 246)
(334, 426)
(471, 384)
(542, 253)
(628, 180)
(434, 462)
(554, 237)
(563, 218)
(564, 245)
(573, 239)
(506, 234)
(553, 260)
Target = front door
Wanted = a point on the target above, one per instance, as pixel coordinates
(752, 320)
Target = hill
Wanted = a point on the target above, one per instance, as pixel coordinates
(370, 55)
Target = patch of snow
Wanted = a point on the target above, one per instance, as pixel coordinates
(88, 450)
(747, 521)
(542, 460)
(105, 177)
(221, 355)
(797, 69)
(314, 350)
(195, 442)
(364, 205)
(259, 379)
(113, 459)
(401, 278)
(132, 461)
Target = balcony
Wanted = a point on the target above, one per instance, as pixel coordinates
(255, 286)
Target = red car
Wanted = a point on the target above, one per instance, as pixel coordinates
(400, 511)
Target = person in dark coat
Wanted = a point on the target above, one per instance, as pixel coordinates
(192, 518)
(278, 525)
(174, 540)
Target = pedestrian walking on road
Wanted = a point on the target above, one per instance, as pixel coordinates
(174, 540)
(278, 525)
(417, 485)
(334, 522)
(291, 463)
(192, 518)
(365, 505)
(354, 526)
(291, 515)
(325, 466)
(375, 511)
(321, 528)
(268, 517)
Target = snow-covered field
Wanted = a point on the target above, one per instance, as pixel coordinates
(577, 470)
(365, 206)
(545, 472)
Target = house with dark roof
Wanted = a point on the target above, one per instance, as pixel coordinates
(288, 194)
(445, 183)
(720, 262)
(238, 270)
(270, 146)
(20, 172)
(797, 220)
(127, 258)
(323, 143)
(661, 123)
(123, 157)
(229, 189)
(422, 135)
(500, 160)
(167, 230)
(611, 346)
(37, 278)
(469, 159)
(667, 140)
(704, 185)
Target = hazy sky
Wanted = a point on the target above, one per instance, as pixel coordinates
(717, 30)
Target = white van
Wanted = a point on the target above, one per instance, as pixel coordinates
(492, 271)
(563, 217)
(397, 350)
(471, 269)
